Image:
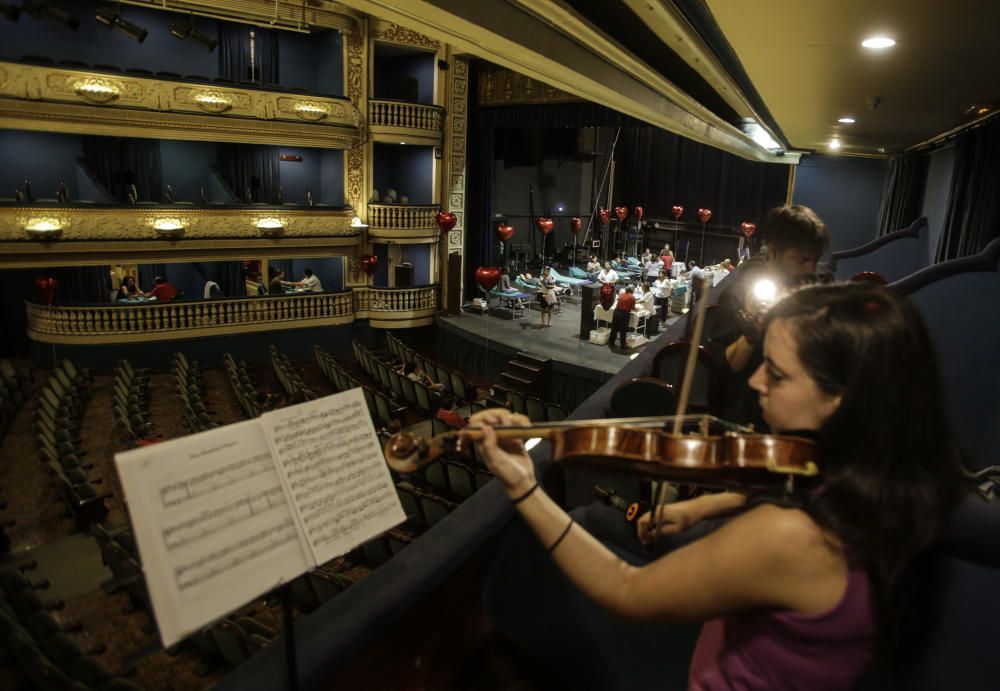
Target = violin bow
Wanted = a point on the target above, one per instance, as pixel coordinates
(682, 401)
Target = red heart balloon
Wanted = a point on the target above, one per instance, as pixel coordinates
(607, 296)
(47, 288)
(605, 215)
(748, 228)
(369, 264)
(705, 215)
(639, 212)
(576, 225)
(677, 211)
(544, 225)
(487, 277)
(445, 220)
(621, 213)
(505, 232)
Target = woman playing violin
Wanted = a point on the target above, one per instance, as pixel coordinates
(805, 597)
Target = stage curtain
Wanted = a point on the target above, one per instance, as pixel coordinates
(266, 54)
(973, 216)
(656, 169)
(480, 249)
(119, 163)
(249, 167)
(903, 196)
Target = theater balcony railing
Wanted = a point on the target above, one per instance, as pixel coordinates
(390, 308)
(152, 321)
(395, 121)
(402, 221)
(56, 98)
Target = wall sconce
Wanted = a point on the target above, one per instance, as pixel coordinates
(43, 229)
(213, 102)
(313, 112)
(168, 228)
(270, 227)
(98, 91)
(356, 223)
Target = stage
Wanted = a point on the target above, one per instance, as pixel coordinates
(561, 342)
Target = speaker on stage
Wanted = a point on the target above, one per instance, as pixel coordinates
(404, 275)
(590, 296)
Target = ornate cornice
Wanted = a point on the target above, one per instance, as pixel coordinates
(63, 100)
(386, 31)
(499, 86)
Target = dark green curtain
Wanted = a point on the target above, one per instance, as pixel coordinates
(903, 196)
(250, 168)
(973, 217)
(120, 163)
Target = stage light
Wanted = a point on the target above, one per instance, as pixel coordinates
(878, 43)
(181, 30)
(846, 120)
(113, 18)
(10, 12)
(186, 31)
(38, 8)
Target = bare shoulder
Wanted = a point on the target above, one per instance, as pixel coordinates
(786, 530)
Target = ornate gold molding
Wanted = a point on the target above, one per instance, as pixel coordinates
(139, 222)
(456, 138)
(387, 31)
(499, 86)
(114, 122)
(104, 92)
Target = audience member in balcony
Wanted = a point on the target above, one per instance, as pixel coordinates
(253, 285)
(309, 283)
(162, 290)
(276, 286)
(212, 290)
(128, 290)
(448, 415)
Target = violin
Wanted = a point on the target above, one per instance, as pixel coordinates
(707, 451)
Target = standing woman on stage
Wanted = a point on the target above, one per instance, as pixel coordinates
(804, 594)
(547, 299)
(661, 296)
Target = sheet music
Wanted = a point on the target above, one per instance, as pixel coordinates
(332, 466)
(212, 522)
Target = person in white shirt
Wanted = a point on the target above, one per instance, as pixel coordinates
(309, 283)
(645, 302)
(647, 255)
(593, 266)
(608, 275)
(661, 295)
(653, 268)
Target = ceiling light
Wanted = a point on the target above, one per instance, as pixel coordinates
(834, 144)
(878, 42)
(760, 136)
(846, 120)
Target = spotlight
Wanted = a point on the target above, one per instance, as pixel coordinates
(113, 18)
(39, 8)
(10, 12)
(186, 31)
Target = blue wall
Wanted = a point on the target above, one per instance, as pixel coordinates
(331, 177)
(47, 159)
(407, 169)
(937, 192)
(310, 61)
(420, 257)
(845, 192)
(185, 167)
(381, 275)
(419, 67)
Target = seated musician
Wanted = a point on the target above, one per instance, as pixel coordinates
(797, 237)
(805, 594)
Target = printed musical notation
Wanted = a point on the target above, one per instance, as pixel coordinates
(213, 520)
(209, 481)
(225, 515)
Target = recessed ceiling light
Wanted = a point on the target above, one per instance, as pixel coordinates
(878, 42)
(846, 120)
(834, 144)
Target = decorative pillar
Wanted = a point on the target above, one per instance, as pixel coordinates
(357, 159)
(455, 137)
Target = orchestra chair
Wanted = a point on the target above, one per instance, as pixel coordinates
(894, 255)
(643, 397)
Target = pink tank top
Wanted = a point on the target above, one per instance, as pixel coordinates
(781, 650)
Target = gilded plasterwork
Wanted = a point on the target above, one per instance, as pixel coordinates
(457, 146)
(354, 191)
(501, 86)
(385, 31)
(141, 223)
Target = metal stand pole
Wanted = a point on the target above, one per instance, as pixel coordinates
(291, 661)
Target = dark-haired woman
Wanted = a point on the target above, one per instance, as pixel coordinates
(128, 290)
(807, 596)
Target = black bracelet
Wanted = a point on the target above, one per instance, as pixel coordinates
(559, 539)
(525, 495)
